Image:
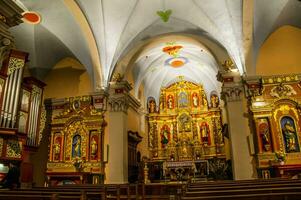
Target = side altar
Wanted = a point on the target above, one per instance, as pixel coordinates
(275, 106)
(76, 140)
(185, 133)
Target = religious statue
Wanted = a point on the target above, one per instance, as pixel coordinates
(184, 149)
(164, 135)
(195, 100)
(76, 146)
(152, 106)
(214, 101)
(289, 133)
(57, 149)
(170, 102)
(265, 135)
(93, 147)
(205, 136)
(161, 103)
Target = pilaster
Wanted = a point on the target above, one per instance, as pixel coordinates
(118, 104)
(240, 135)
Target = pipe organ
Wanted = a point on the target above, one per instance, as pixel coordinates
(20, 102)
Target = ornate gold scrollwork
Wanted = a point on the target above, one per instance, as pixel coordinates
(14, 64)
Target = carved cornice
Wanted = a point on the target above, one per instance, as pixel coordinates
(10, 13)
(120, 99)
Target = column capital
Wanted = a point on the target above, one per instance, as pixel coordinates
(232, 88)
(120, 98)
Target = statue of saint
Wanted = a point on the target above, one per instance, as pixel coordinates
(195, 100)
(93, 147)
(164, 139)
(76, 146)
(214, 101)
(265, 135)
(57, 150)
(205, 133)
(152, 106)
(170, 102)
(290, 137)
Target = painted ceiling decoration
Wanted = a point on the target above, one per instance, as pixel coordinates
(161, 63)
(172, 49)
(164, 15)
(176, 62)
(31, 17)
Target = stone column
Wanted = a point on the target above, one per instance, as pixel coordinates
(119, 99)
(240, 137)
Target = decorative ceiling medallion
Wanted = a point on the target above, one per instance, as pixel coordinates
(164, 14)
(172, 50)
(31, 17)
(176, 62)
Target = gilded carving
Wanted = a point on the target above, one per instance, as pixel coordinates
(185, 127)
(277, 119)
(42, 122)
(117, 77)
(1, 146)
(77, 131)
(282, 90)
(14, 64)
(13, 149)
(3, 18)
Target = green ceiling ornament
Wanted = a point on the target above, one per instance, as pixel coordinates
(164, 15)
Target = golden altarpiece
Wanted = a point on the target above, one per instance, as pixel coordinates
(275, 105)
(185, 132)
(76, 140)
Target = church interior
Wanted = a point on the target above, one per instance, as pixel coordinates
(167, 95)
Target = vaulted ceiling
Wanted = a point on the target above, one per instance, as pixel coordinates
(100, 33)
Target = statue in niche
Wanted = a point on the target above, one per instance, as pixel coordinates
(161, 103)
(205, 133)
(76, 146)
(57, 148)
(289, 134)
(264, 132)
(170, 102)
(94, 146)
(214, 101)
(152, 106)
(195, 99)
